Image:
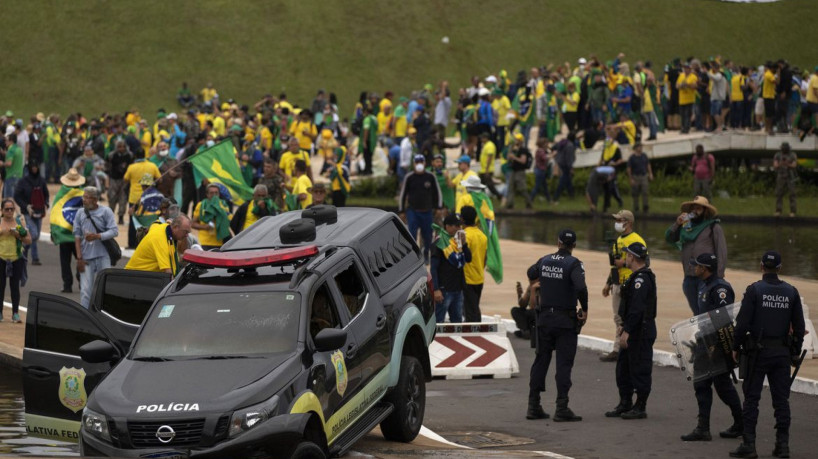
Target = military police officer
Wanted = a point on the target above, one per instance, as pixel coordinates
(769, 310)
(714, 293)
(638, 312)
(562, 284)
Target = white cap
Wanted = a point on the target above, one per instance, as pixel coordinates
(582, 61)
(491, 79)
(172, 116)
(483, 92)
(10, 129)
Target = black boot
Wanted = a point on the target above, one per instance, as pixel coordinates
(638, 410)
(782, 444)
(745, 449)
(563, 413)
(701, 432)
(535, 410)
(625, 404)
(735, 430)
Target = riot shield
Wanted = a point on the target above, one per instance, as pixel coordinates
(704, 343)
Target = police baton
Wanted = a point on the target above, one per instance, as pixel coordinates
(798, 366)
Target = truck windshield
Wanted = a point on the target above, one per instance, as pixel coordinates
(222, 325)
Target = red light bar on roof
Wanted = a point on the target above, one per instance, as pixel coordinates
(248, 258)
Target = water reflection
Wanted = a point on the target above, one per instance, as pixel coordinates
(746, 242)
(13, 437)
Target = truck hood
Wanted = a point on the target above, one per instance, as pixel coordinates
(185, 388)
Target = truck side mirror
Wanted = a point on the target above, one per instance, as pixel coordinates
(330, 339)
(98, 352)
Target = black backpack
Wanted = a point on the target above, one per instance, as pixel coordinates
(357, 125)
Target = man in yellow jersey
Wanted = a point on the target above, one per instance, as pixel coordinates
(138, 172)
(157, 251)
(302, 188)
(293, 153)
(488, 157)
(209, 222)
(738, 86)
(304, 130)
(686, 84)
(253, 210)
(502, 106)
(473, 270)
(619, 272)
(464, 171)
(768, 94)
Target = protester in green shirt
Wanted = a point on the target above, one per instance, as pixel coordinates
(13, 164)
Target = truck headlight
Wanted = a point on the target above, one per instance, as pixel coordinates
(247, 418)
(96, 424)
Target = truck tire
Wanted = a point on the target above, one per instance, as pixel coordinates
(308, 450)
(409, 401)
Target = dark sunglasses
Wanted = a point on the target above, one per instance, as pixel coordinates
(8, 208)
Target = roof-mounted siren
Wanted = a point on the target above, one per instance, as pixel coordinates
(321, 214)
(297, 231)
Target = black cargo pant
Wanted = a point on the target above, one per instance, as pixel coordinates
(550, 339)
(774, 363)
(635, 363)
(724, 389)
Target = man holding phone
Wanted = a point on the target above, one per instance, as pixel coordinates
(450, 253)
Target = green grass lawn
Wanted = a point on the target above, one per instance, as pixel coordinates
(94, 56)
(748, 207)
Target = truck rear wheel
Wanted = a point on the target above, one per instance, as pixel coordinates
(308, 450)
(409, 400)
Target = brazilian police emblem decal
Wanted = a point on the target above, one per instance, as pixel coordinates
(72, 388)
(722, 295)
(340, 372)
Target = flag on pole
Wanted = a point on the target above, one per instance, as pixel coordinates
(218, 164)
(63, 211)
(485, 213)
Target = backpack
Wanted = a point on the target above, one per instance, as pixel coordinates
(37, 202)
(357, 125)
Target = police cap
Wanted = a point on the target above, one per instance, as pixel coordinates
(707, 260)
(568, 237)
(638, 250)
(771, 259)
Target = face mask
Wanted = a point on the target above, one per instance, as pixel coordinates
(619, 227)
(163, 153)
(419, 168)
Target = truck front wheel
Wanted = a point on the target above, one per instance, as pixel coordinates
(409, 400)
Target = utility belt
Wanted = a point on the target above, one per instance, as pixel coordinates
(564, 312)
(775, 343)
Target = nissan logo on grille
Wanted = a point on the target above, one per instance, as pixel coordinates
(165, 434)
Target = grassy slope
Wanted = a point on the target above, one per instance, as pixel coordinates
(94, 56)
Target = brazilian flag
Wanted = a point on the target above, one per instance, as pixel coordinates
(147, 210)
(218, 164)
(485, 213)
(291, 201)
(63, 211)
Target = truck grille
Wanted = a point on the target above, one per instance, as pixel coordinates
(188, 433)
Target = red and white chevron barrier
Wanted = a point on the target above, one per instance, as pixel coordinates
(465, 350)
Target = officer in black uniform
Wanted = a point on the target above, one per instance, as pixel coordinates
(769, 310)
(638, 312)
(714, 293)
(562, 284)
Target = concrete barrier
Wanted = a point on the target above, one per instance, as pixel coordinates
(466, 350)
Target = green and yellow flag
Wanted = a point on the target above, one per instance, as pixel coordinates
(485, 213)
(218, 164)
(63, 211)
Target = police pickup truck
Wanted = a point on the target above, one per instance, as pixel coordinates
(295, 339)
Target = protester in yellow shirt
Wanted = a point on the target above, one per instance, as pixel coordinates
(207, 231)
(304, 130)
(812, 96)
(138, 172)
(768, 94)
(686, 84)
(303, 185)
(288, 158)
(219, 125)
(385, 102)
(501, 106)
(474, 270)
(464, 168)
(384, 120)
(208, 93)
(145, 138)
(157, 251)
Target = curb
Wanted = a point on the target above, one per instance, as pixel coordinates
(660, 358)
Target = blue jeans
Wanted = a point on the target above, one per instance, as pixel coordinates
(690, 287)
(540, 182)
(565, 183)
(653, 123)
(9, 186)
(92, 267)
(33, 225)
(423, 221)
(453, 304)
(526, 131)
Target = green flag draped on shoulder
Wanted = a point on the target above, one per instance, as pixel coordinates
(485, 213)
(213, 211)
(63, 210)
(218, 164)
(443, 238)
